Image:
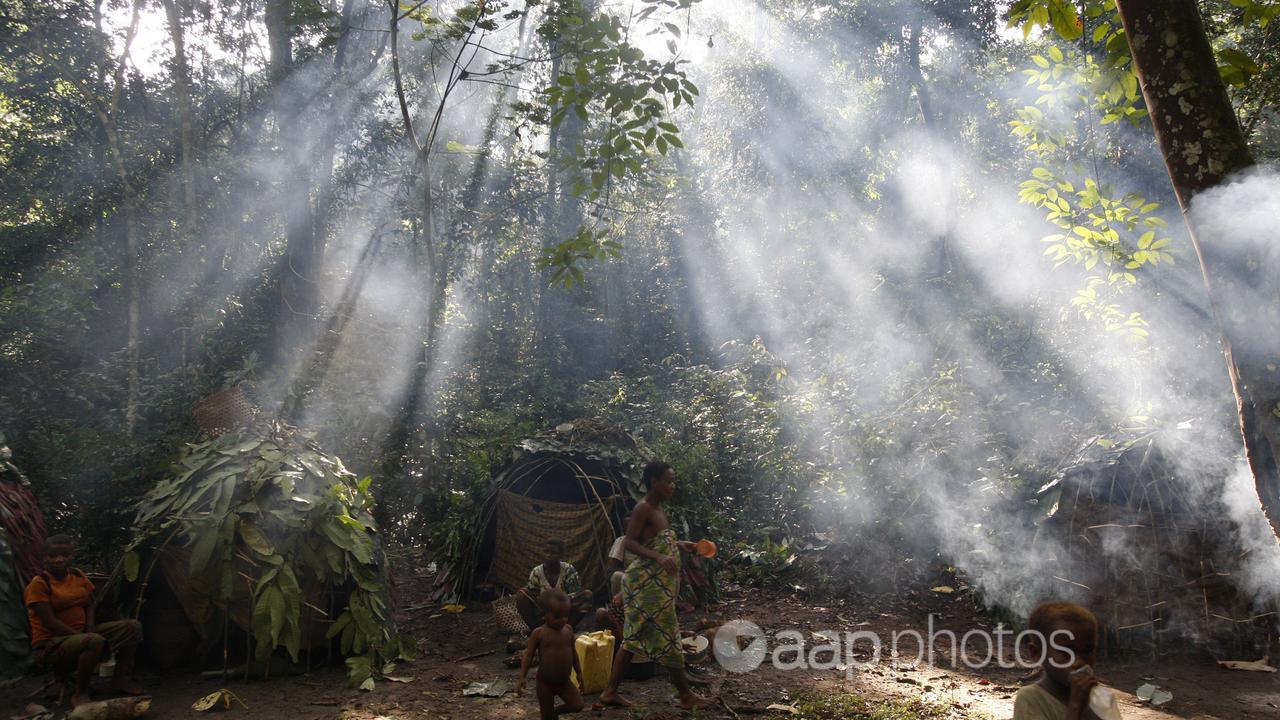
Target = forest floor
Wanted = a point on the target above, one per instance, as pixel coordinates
(456, 649)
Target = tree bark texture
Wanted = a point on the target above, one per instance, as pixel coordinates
(1200, 138)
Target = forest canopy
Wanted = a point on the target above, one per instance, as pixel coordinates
(868, 274)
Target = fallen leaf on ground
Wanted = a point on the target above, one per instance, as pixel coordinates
(789, 709)
(944, 589)
(453, 608)
(213, 699)
(1153, 694)
(497, 688)
(1250, 665)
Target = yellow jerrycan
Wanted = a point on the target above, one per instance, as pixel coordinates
(595, 657)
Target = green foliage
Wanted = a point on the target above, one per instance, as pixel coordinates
(564, 259)
(1060, 15)
(1259, 11)
(275, 510)
(1115, 234)
(625, 100)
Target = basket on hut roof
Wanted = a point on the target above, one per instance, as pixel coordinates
(223, 411)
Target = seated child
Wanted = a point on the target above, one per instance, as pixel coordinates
(553, 573)
(553, 644)
(63, 635)
(1071, 632)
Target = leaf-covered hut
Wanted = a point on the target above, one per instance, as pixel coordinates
(260, 531)
(574, 482)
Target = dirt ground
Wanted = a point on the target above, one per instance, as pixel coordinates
(457, 649)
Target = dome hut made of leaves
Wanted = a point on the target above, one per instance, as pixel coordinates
(259, 530)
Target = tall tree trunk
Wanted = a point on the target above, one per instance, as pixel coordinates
(133, 293)
(108, 115)
(915, 76)
(182, 99)
(1202, 145)
(298, 298)
(315, 371)
(279, 38)
(925, 104)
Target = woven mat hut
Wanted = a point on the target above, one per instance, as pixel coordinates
(574, 482)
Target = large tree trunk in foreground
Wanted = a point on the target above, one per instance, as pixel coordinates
(1202, 146)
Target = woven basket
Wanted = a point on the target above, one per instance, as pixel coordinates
(223, 411)
(506, 617)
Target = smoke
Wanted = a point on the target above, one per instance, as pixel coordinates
(1259, 571)
(827, 228)
(940, 369)
(1238, 219)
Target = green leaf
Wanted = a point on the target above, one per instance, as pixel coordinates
(359, 669)
(205, 544)
(276, 606)
(261, 624)
(337, 627)
(1065, 20)
(1236, 58)
(255, 539)
(130, 562)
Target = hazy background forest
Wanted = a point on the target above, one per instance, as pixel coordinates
(867, 273)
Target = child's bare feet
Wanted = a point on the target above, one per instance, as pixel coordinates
(693, 700)
(79, 699)
(611, 697)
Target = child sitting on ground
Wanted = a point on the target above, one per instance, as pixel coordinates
(1070, 635)
(63, 635)
(553, 573)
(552, 642)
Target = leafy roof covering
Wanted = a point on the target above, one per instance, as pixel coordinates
(269, 505)
(591, 438)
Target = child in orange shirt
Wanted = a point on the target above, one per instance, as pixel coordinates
(63, 635)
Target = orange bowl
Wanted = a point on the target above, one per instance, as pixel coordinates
(706, 548)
